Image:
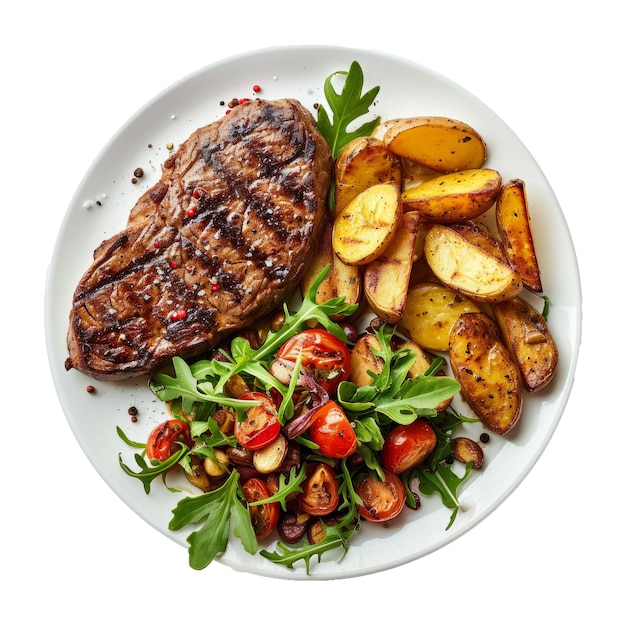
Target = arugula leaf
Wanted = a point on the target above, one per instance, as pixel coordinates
(150, 472)
(347, 106)
(334, 537)
(417, 397)
(368, 431)
(127, 440)
(446, 482)
(349, 497)
(184, 385)
(286, 486)
(217, 508)
(546, 307)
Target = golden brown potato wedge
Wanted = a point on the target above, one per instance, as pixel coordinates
(386, 279)
(430, 312)
(467, 268)
(526, 334)
(513, 222)
(365, 359)
(364, 162)
(439, 143)
(342, 280)
(365, 227)
(489, 377)
(454, 197)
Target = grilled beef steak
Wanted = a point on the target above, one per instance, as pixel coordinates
(218, 242)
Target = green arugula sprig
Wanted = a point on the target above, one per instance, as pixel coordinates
(438, 476)
(219, 511)
(335, 537)
(347, 106)
(444, 481)
(286, 486)
(150, 471)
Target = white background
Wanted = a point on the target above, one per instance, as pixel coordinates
(73, 73)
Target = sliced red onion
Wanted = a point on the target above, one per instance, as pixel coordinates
(283, 370)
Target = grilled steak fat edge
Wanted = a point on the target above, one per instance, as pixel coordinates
(217, 243)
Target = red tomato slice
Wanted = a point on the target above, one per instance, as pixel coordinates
(261, 425)
(382, 500)
(332, 431)
(406, 446)
(325, 357)
(266, 516)
(320, 493)
(164, 438)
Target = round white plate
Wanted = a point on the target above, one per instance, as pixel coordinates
(100, 208)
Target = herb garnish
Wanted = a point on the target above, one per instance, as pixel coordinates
(347, 106)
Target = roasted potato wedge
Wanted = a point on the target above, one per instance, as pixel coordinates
(430, 312)
(386, 279)
(489, 377)
(526, 334)
(365, 227)
(342, 280)
(467, 268)
(454, 197)
(439, 143)
(364, 162)
(513, 222)
(365, 359)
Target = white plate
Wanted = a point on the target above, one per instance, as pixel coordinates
(406, 89)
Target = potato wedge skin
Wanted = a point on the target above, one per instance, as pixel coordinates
(365, 227)
(489, 377)
(513, 223)
(439, 143)
(454, 197)
(469, 269)
(386, 279)
(430, 312)
(364, 162)
(479, 235)
(526, 334)
(342, 280)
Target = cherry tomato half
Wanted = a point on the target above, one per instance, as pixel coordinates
(406, 446)
(382, 500)
(332, 431)
(164, 438)
(320, 493)
(266, 516)
(325, 357)
(261, 425)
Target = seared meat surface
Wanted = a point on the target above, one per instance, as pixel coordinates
(217, 243)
